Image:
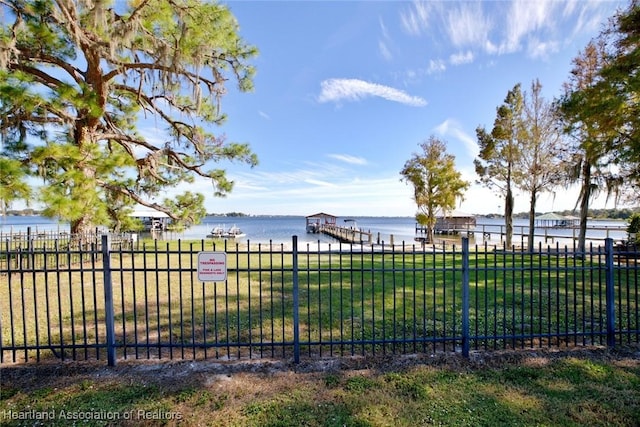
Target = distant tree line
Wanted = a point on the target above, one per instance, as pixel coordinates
(230, 214)
(623, 214)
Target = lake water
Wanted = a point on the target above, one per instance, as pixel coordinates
(280, 229)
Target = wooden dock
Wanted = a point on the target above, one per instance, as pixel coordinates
(347, 234)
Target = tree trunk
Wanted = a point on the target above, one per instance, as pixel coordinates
(532, 220)
(84, 225)
(508, 216)
(584, 205)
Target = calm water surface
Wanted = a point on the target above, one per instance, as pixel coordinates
(280, 229)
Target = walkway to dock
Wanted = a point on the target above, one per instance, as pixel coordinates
(347, 234)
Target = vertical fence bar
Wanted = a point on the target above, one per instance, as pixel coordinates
(465, 296)
(108, 302)
(296, 304)
(609, 293)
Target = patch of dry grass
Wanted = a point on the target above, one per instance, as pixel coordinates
(578, 387)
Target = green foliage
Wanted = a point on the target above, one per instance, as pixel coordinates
(500, 152)
(601, 107)
(616, 95)
(634, 227)
(72, 93)
(12, 183)
(437, 185)
(188, 209)
(499, 149)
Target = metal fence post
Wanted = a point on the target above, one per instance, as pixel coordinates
(296, 304)
(465, 296)
(610, 293)
(108, 301)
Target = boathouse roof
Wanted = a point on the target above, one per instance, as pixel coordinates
(148, 213)
(553, 219)
(551, 216)
(453, 214)
(321, 215)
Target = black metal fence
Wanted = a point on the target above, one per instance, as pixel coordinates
(285, 301)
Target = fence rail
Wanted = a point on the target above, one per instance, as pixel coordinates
(111, 302)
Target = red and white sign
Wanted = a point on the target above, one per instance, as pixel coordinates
(212, 266)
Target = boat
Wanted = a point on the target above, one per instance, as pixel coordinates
(216, 233)
(233, 233)
(313, 227)
(220, 233)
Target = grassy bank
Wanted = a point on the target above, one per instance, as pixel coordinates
(570, 388)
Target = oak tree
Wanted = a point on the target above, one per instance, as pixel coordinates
(78, 81)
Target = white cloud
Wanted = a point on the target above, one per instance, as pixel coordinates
(383, 43)
(341, 195)
(589, 16)
(336, 90)
(416, 19)
(501, 28)
(461, 58)
(384, 50)
(436, 66)
(540, 49)
(452, 128)
(353, 160)
(467, 25)
(525, 18)
(319, 183)
(264, 115)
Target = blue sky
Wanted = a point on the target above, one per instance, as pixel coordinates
(345, 92)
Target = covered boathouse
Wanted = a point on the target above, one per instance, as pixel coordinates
(315, 222)
(554, 220)
(455, 222)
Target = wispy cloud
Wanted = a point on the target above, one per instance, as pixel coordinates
(452, 128)
(353, 160)
(383, 43)
(264, 115)
(467, 25)
(436, 66)
(319, 183)
(317, 187)
(384, 50)
(337, 90)
(539, 49)
(471, 28)
(525, 18)
(415, 20)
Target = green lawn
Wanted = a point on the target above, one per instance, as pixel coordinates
(378, 302)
